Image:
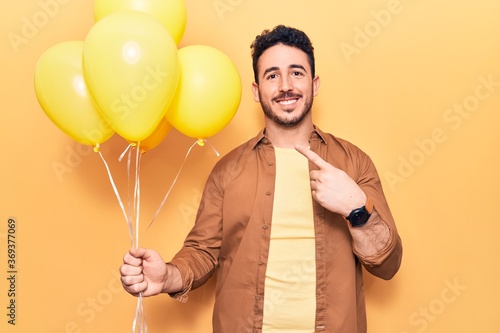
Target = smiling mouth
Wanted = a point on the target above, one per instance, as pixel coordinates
(287, 99)
(287, 102)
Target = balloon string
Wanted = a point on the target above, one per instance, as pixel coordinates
(129, 186)
(213, 148)
(137, 193)
(125, 151)
(115, 189)
(139, 320)
(130, 211)
(129, 203)
(177, 176)
(139, 323)
(171, 186)
(134, 202)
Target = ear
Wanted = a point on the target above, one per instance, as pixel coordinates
(316, 84)
(255, 90)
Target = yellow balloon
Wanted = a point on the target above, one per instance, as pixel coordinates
(208, 94)
(156, 137)
(63, 95)
(171, 13)
(131, 67)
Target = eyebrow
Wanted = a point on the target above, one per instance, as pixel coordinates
(274, 68)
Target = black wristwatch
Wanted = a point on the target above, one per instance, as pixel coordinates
(359, 216)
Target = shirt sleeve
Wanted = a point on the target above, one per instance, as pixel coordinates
(386, 262)
(198, 257)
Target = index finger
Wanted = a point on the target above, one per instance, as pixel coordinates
(133, 257)
(312, 156)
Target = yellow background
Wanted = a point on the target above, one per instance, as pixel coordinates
(391, 84)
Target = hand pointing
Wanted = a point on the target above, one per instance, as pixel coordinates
(331, 187)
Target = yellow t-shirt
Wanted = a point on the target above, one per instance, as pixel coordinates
(290, 283)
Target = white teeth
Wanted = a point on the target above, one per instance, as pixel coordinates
(288, 102)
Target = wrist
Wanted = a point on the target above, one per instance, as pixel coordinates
(172, 282)
(355, 202)
(360, 215)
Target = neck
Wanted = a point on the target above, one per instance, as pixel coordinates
(289, 137)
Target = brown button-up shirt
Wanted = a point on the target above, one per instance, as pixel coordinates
(231, 236)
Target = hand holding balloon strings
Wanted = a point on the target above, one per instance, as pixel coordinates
(131, 52)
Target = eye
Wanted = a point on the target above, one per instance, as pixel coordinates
(297, 73)
(272, 76)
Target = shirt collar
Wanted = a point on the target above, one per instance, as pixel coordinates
(261, 138)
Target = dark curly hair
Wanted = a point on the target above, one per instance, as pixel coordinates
(281, 35)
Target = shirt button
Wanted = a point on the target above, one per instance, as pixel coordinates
(268, 193)
(265, 226)
(257, 298)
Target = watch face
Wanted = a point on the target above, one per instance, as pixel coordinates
(358, 217)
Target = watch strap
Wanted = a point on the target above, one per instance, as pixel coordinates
(369, 205)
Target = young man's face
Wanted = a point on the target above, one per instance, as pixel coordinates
(286, 88)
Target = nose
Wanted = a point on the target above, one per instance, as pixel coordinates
(286, 83)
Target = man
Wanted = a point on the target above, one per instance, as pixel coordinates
(287, 219)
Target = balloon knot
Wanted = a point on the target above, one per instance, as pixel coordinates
(201, 142)
(97, 148)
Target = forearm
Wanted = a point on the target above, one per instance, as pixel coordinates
(372, 238)
(377, 246)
